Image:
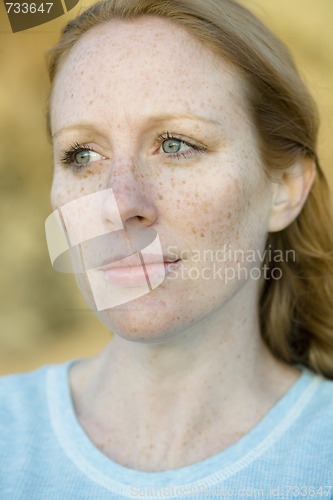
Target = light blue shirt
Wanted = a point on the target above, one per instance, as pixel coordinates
(45, 454)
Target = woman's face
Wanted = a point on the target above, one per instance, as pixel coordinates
(145, 109)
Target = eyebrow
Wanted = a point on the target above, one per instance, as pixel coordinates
(150, 120)
(75, 126)
(192, 117)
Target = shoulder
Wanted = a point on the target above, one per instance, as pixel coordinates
(25, 411)
(23, 408)
(312, 411)
(20, 380)
(307, 431)
(20, 388)
(24, 396)
(319, 393)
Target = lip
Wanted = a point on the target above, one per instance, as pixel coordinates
(135, 275)
(133, 261)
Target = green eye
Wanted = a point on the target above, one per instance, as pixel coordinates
(83, 157)
(80, 155)
(175, 147)
(171, 146)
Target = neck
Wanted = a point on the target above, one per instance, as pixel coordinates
(151, 389)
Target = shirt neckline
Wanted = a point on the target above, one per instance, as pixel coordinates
(121, 480)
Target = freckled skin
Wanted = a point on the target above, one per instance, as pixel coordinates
(115, 79)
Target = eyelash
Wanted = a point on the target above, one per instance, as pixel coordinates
(68, 157)
(167, 136)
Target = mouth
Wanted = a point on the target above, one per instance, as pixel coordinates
(134, 260)
(138, 270)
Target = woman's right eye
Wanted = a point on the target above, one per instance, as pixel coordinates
(79, 156)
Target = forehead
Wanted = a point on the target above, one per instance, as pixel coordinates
(143, 66)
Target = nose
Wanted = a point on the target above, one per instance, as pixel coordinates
(132, 196)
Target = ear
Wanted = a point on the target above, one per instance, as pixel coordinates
(290, 191)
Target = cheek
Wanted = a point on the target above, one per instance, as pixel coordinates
(223, 210)
(67, 186)
(211, 204)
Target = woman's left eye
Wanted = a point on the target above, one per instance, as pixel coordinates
(176, 147)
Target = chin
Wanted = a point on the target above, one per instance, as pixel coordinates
(148, 319)
(140, 321)
(156, 317)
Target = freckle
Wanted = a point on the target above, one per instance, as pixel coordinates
(160, 197)
(86, 174)
(82, 189)
(229, 215)
(99, 186)
(202, 235)
(194, 231)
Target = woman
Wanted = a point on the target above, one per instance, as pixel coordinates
(188, 190)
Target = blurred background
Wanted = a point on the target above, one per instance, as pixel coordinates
(43, 318)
